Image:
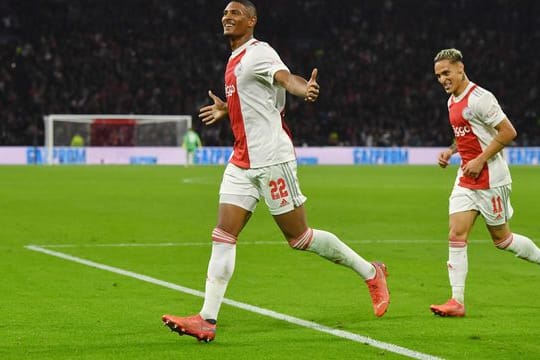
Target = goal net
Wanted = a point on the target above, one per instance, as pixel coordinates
(114, 130)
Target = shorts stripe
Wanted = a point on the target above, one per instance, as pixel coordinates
(506, 202)
(293, 188)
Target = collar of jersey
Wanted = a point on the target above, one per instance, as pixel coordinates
(245, 45)
(464, 93)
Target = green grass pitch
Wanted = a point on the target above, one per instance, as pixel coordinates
(53, 308)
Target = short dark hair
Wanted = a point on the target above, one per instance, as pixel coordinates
(249, 5)
(452, 55)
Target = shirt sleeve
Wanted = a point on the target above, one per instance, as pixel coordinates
(488, 109)
(266, 62)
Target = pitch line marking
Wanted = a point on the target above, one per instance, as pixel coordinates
(241, 243)
(255, 309)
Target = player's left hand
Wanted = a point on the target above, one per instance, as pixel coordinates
(473, 168)
(312, 90)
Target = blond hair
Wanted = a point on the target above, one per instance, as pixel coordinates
(452, 55)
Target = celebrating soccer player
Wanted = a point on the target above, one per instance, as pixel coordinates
(263, 164)
(483, 183)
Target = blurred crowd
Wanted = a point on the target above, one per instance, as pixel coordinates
(375, 61)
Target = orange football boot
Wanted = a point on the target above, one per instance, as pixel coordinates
(380, 296)
(194, 326)
(451, 308)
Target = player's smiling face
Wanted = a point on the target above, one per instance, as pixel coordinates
(450, 76)
(237, 21)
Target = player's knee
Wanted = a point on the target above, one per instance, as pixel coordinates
(303, 241)
(458, 233)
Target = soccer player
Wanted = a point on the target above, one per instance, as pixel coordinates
(190, 143)
(483, 183)
(77, 140)
(263, 164)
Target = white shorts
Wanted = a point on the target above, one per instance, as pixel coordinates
(278, 184)
(493, 204)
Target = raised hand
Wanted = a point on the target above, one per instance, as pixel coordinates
(209, 114)
(312, 90)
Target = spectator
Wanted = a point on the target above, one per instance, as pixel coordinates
(65, 56)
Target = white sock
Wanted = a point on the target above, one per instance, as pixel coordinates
(458, 266)
(523, 247)
(330, 247)
(220, 270)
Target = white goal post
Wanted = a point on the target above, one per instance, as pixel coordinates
(114, 130)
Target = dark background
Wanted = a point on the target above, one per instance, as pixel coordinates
(375, 61)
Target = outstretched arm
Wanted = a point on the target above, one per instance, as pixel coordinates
(209, 114)
(298, 86)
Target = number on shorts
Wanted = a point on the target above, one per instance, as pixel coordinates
(497, 204)
(278, 189)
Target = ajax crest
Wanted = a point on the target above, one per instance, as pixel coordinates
(467, 113)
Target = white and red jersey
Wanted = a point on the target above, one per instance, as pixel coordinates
(473, 116)
(256, 104)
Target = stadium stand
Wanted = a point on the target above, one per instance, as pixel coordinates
(374, 59)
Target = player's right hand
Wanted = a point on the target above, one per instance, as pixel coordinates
(444, 158)
(209, 114)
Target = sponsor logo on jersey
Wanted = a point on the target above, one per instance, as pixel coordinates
(230, 90)
(283, 203)
(461, 130)
(467, 113)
